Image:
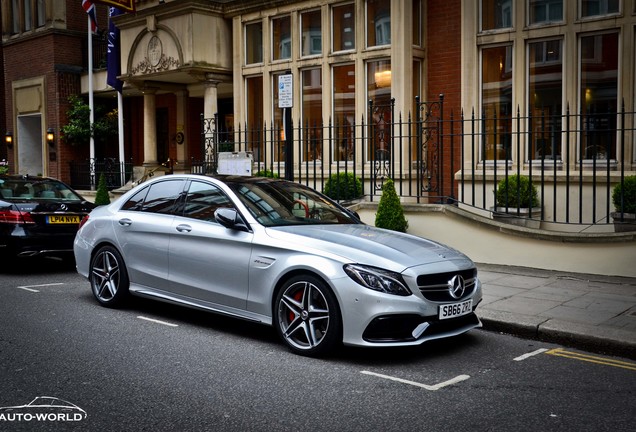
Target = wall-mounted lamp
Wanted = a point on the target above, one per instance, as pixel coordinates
(50, 136)
(8, 139)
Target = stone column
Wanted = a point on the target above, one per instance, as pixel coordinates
(150, 128)
(210, 99)
(181, 120)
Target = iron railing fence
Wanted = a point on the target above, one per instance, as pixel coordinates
(573, 159)
(85, 174)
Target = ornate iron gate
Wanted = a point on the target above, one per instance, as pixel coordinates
(429, 121)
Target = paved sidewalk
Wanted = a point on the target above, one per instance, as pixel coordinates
(590, 312)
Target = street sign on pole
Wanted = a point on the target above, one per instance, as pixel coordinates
(285, 91)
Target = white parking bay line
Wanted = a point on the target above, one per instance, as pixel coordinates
(455, 380)
(157, 321)
(30, 287)
(530, 354)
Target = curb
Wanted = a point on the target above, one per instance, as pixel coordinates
(601, 340)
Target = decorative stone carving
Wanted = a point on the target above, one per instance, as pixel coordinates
(155, 60)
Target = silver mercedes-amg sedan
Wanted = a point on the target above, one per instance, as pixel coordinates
(279, 253)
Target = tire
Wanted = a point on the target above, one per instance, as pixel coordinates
(108, 277)
(307, 316)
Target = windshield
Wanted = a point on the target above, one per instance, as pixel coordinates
(40, 189)
(286, 203)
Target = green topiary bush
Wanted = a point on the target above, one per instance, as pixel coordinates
(517, 191)
(101, 196)
(624, 196)
(343, 186)
(266, 173)
(390, 213)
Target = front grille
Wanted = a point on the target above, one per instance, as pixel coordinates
(434, 287)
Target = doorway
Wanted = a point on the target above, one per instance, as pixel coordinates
(29, 145)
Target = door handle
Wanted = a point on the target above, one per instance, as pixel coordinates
(184, 228)
(125, 222)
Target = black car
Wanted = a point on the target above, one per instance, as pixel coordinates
(39, 216)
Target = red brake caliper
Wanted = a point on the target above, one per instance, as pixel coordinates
(298, 296)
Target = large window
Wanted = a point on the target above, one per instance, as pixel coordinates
(496, 14)
(254, 107)
(254, 43)
(277, 135)
(311, 37)
(343, 27)
(25, 14)
(545, 93)
(545, 11)
(599, 95)
(378, 22)
(598, 7)
(281, 38)
(311, 115)
(380, 117)
(344, 90)
(417, 22)
(496, 97)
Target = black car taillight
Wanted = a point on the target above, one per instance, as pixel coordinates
(15, 217)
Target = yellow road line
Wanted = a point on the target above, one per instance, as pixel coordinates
(560, 352)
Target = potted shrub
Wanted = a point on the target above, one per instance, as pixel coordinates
(390, 213)
(343, 186)
(101, 196)
(624, 200)
(517, 201)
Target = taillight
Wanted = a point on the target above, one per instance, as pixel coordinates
(15, 217)
(83, 221)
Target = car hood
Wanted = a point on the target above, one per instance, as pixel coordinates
(368, 245)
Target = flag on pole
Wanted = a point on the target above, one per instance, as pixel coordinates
(124, 5)
(113, 68)
(89, 7)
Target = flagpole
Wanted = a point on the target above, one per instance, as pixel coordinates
(120, 127)
(90, 101)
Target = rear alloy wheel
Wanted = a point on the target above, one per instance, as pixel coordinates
(307, 316)
(108, 277)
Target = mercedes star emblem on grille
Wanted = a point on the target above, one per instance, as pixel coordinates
(456, 286)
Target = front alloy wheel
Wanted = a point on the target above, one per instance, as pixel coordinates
(307, 316)
(108, 277)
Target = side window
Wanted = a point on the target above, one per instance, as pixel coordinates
(136, 201)
(163, 196)
(203, 199)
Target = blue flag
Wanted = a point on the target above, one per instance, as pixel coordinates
(113, 60)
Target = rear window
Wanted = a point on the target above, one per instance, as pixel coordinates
(41, 189)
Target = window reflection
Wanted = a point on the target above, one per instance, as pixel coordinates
(496, 14)
(497, 102)
(254, 43)
(598, 95)
(344, 27)
(545, 92)
(311, 39)
(281, 38)
(378, 22)
(344, 111)
(312, 114)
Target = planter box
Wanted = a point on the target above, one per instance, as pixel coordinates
(525, 217)
(627, 224)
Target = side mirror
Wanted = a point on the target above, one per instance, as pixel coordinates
(229, 218)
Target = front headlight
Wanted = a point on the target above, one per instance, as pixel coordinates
(377, 279)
